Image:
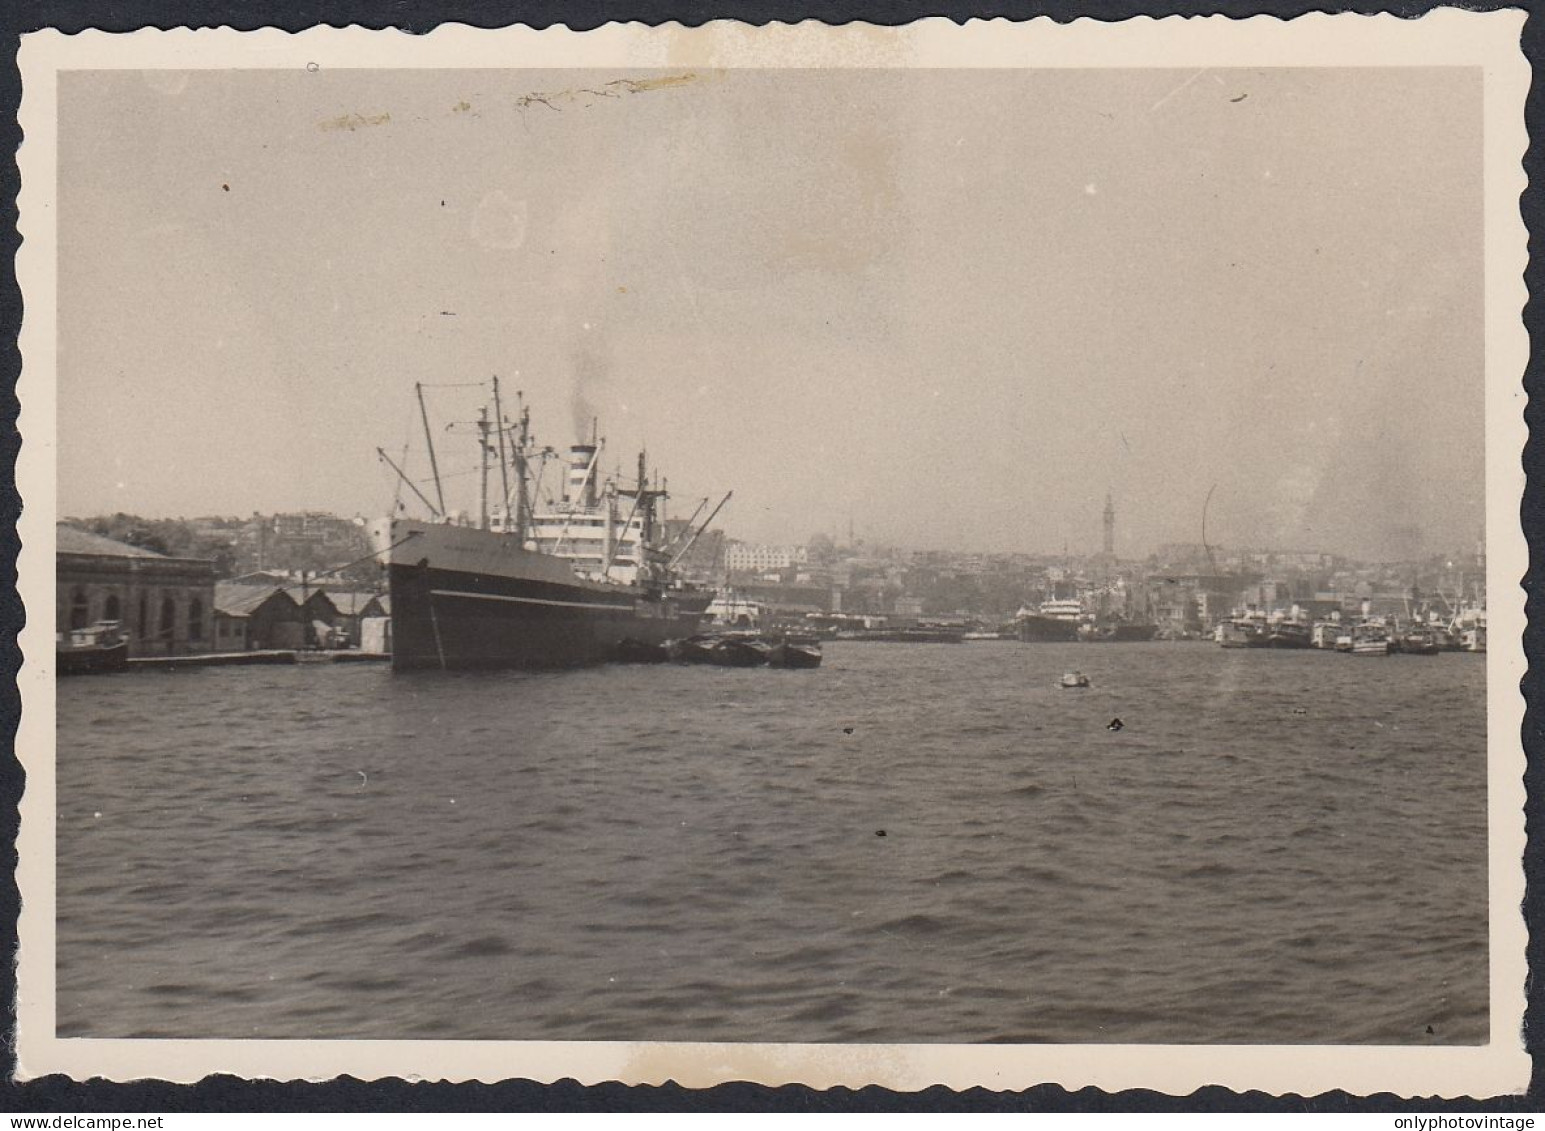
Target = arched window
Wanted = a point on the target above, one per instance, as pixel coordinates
(168, 618)
(80, 609)
(195, 619)
(112, 610)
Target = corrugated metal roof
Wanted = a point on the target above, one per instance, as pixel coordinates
(235, 600)
(350, 604)
(311, 596)
(261, 577)
(72, 540)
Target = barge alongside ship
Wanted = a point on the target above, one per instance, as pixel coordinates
(577, 583)
(87, 651)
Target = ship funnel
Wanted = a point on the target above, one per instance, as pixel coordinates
(580, 486)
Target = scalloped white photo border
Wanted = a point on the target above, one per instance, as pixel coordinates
(1446, 37)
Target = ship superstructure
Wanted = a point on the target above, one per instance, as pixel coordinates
(575, 581)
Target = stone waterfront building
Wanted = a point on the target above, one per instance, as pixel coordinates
(165, 605)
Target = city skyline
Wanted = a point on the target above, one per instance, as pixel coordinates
(851, 543)
(963, 328)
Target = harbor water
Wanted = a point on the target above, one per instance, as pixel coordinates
(913, 843)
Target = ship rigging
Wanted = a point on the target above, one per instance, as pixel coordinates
(528, 583)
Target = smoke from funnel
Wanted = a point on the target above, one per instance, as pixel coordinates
(590, 373)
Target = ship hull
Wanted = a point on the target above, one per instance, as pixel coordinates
(1233, 635)
(471, 599)
(1047, 630)
(904, 635)
(1120, 634)
(1284, 637)
(92, 660)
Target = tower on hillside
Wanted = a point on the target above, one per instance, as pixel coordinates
(1110, 527)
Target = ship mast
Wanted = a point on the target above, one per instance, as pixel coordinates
(482, 453)
(504, 469)
(522, 448)
(403, 477)
(430, 440)
(646, 531)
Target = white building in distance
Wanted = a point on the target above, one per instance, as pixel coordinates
(755, 557)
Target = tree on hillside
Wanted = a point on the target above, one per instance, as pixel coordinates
(129, 529)
(173, 537)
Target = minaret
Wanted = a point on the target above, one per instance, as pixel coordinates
(1110, 527)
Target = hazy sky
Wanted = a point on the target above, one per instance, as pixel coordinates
(957, 306)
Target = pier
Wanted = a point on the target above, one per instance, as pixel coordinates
(262, 656)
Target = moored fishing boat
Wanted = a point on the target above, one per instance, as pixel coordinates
(523, 588)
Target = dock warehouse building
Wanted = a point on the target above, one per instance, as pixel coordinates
(353, 609)
(259, 617)
(166, 605)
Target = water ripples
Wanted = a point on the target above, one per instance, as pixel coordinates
(912, 843)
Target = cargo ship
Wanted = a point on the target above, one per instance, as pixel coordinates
(586, 580)
(1051, 622)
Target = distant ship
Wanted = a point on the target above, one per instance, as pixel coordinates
(1116, 632)
(1054, 622)
(1239, 632)
(1370, 640)
(585, 581)
(1325, 633)
(1253, 632)
(1418, 640)
(1286, 634)
(922, 634)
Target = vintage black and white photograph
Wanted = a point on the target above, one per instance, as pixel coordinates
(780, 539)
